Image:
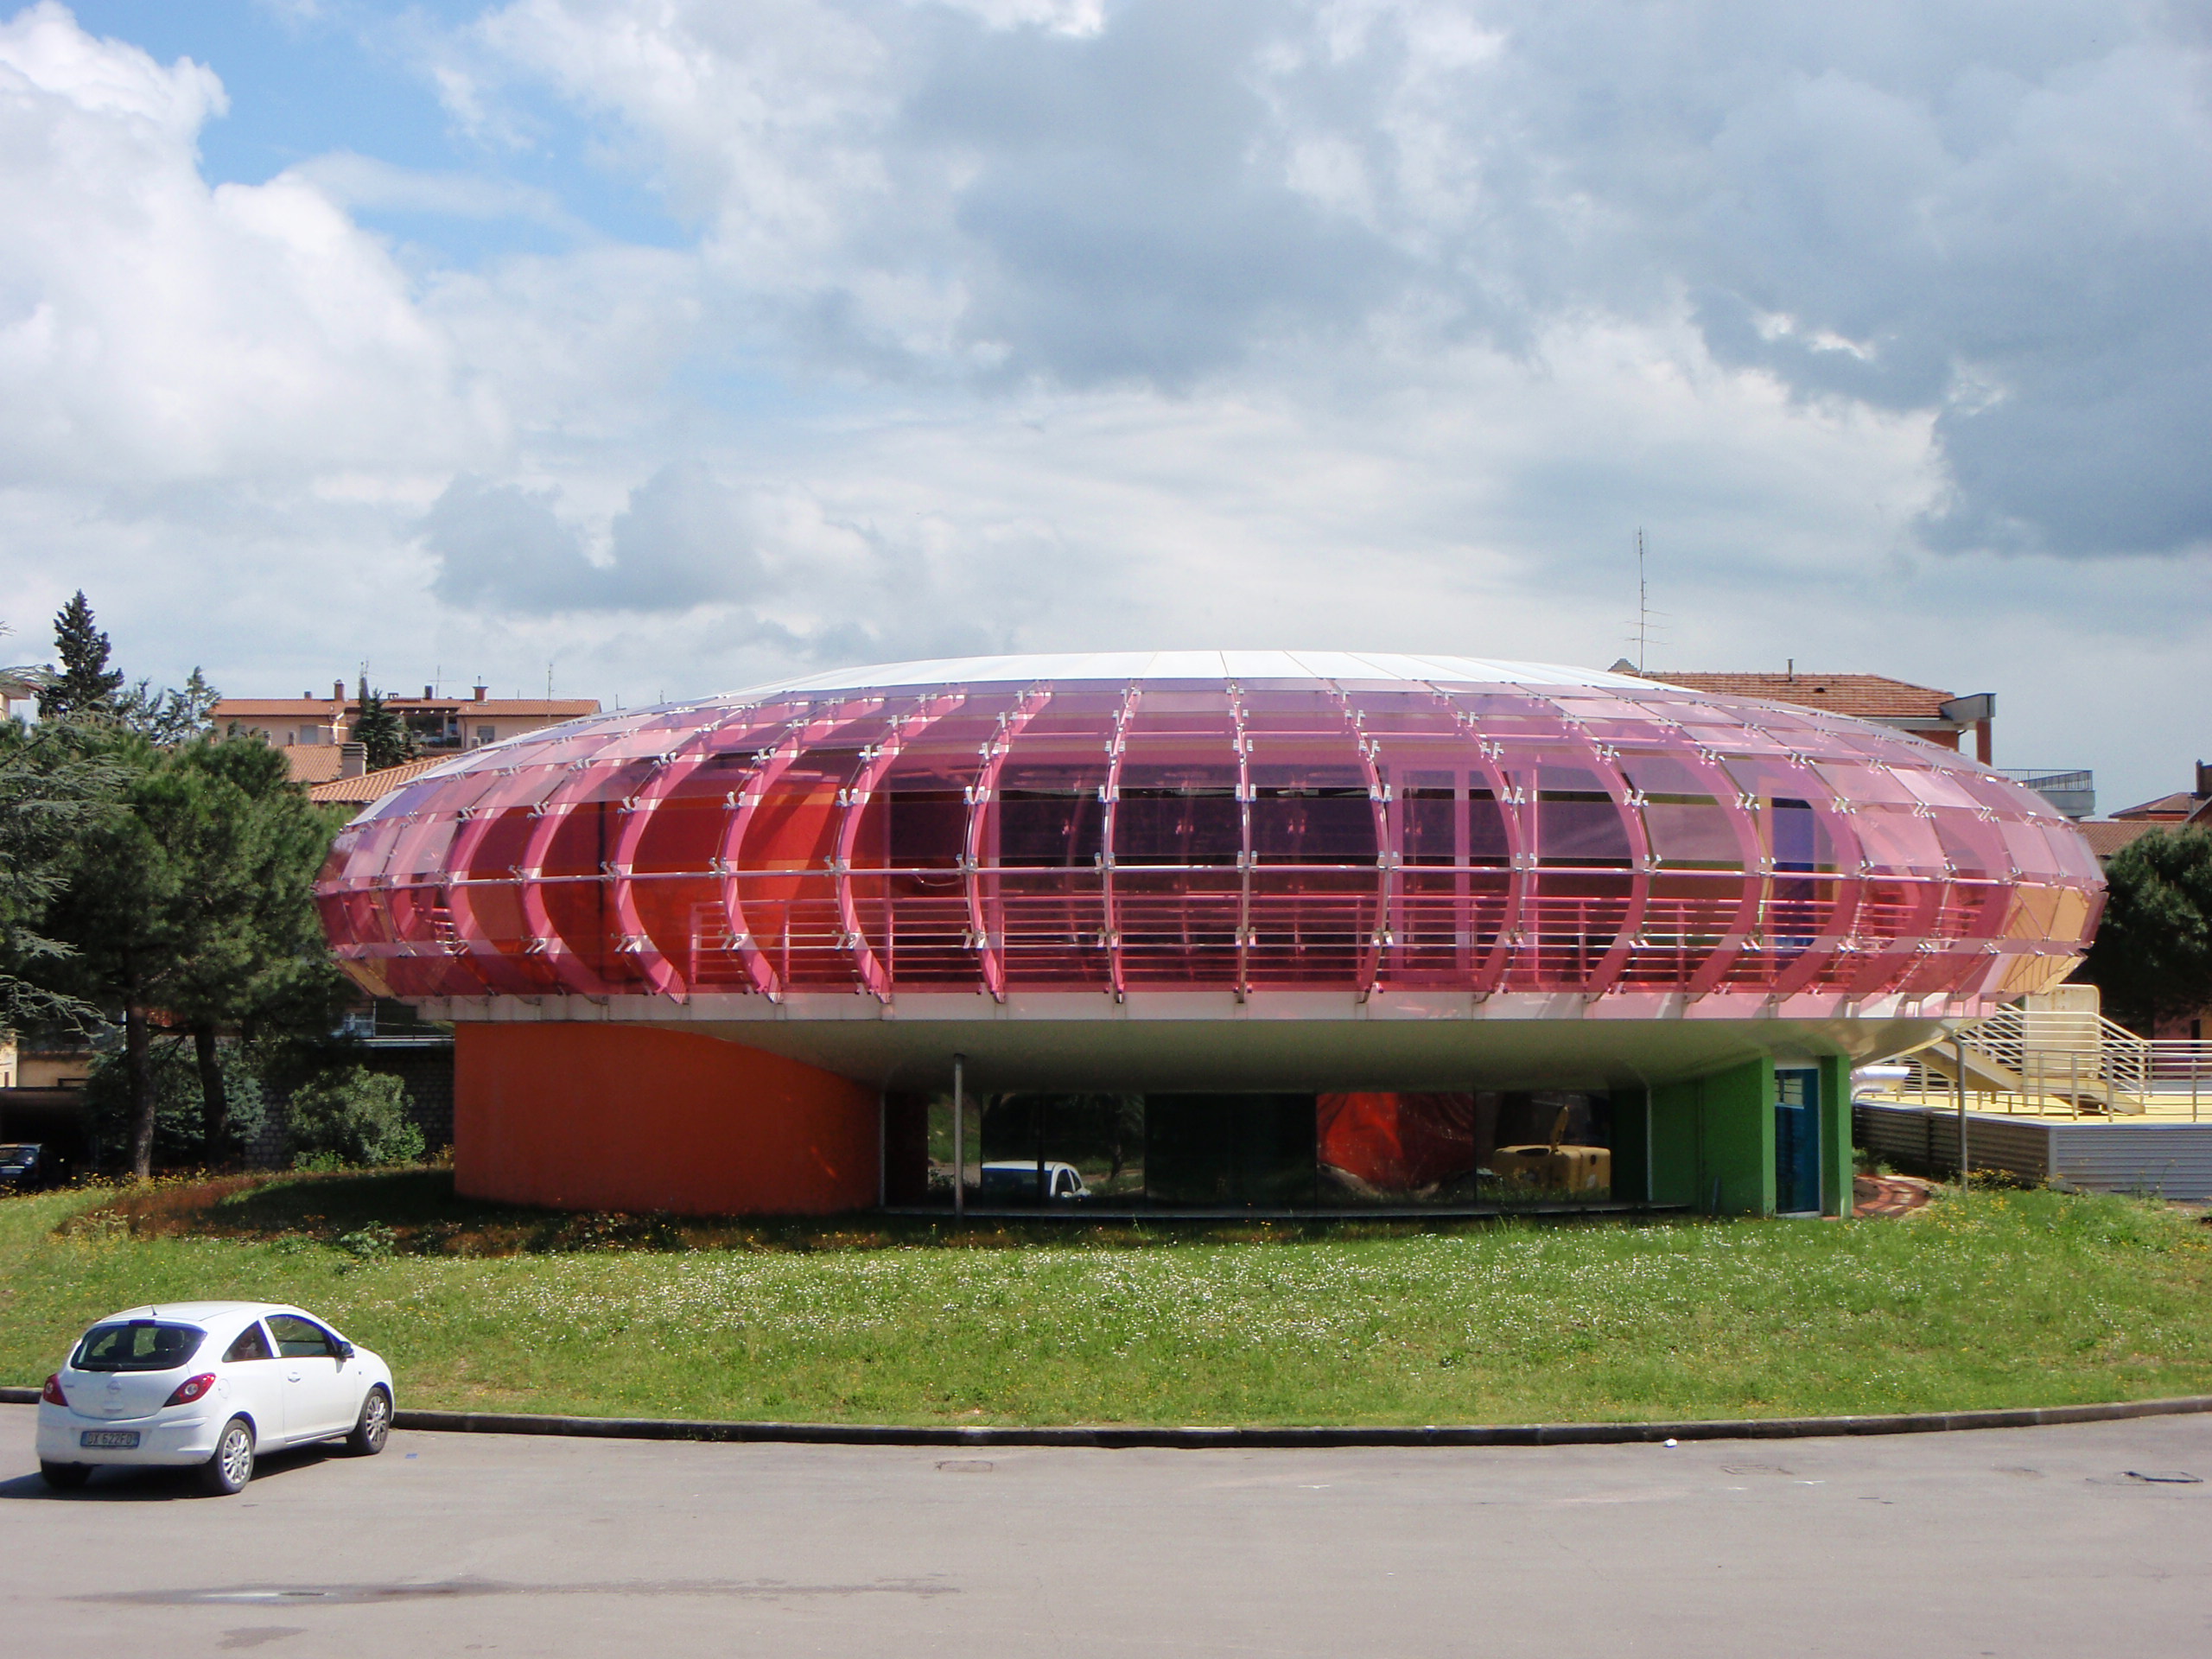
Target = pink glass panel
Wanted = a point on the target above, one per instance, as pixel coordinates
(1268, 835)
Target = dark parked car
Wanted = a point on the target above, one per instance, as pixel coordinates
(23, 1166)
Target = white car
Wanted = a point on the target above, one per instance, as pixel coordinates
(208, 1385)
(1014, 1180)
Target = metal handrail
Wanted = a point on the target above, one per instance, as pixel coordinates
(2078, 1056)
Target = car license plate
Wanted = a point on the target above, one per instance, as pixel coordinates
(119, 1440)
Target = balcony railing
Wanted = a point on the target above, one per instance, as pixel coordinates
(2071, 791)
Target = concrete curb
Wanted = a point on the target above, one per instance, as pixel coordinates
(1194, 1438)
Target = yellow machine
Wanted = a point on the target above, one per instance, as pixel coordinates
(1555, 1168)
(1558, 1169)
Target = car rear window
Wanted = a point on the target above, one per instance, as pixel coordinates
(137, 1345)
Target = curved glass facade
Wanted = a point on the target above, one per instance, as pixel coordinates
(1126, 836)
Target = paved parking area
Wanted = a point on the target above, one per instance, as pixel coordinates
(1999, 1543)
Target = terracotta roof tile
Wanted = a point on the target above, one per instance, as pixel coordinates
(271, 707)
(2170, 808)
(2106, 839)
(1869, 696)
(313, 763)
(374, 785)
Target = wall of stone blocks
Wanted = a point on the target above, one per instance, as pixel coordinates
(427, 1071)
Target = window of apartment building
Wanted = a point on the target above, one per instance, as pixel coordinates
(487, 733)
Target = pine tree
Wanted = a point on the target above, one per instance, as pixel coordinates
(2152, 953)
(191, 898)
(86, 685)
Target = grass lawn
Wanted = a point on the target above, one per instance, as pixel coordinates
(2000, 1298)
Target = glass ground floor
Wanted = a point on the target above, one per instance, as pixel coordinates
(1272, 1150)
(1761, 1138)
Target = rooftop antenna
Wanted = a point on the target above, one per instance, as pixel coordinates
(1643, 605)
(548, 679)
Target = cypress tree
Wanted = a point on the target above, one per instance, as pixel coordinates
(169, 717)
(385, 737)
(86, 685)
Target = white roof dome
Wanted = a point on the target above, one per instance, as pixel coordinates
(1368, 666)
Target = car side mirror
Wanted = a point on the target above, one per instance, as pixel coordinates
(345, 1350)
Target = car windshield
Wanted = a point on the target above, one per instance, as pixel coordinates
(15, 1155)
(137, 1345)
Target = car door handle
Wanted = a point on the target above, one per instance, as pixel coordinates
(292, 1376)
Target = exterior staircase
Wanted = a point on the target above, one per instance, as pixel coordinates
(2055, 1048)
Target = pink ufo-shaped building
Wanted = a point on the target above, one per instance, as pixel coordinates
(716, 956)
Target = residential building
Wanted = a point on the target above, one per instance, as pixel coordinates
(19, 690)
(312, 731)
(43, 1068)
(2131, 823)
(1939, 716)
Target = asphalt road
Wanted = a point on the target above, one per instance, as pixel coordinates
(2001, 1543)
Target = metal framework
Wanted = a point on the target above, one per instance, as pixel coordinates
(1007, 829)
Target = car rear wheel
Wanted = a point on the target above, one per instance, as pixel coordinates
(65, 1477)
(226, 1473)
(368, 1436)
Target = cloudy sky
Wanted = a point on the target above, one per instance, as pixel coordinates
(671, 345)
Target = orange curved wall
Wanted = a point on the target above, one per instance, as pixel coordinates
(635, 1118)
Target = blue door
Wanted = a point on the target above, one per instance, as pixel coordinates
(1797, 1142)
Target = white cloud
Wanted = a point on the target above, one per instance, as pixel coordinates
(154, 329)
(353, 183)
(1025, 323)
(1942, 208)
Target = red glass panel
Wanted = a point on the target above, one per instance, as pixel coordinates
(1177, 927)
(1051, 927)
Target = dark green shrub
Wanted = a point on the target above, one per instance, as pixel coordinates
(352, 1117)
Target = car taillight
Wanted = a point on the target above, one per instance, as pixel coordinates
(191, 1388)
(51, 1392)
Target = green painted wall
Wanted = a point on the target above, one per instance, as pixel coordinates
(1713, 1142)
(1677, 1129)
(1835, 1136)
(1629, 1107)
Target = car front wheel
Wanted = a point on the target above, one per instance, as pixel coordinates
(226, 1473)
(65, 1477)
(368, 1436)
